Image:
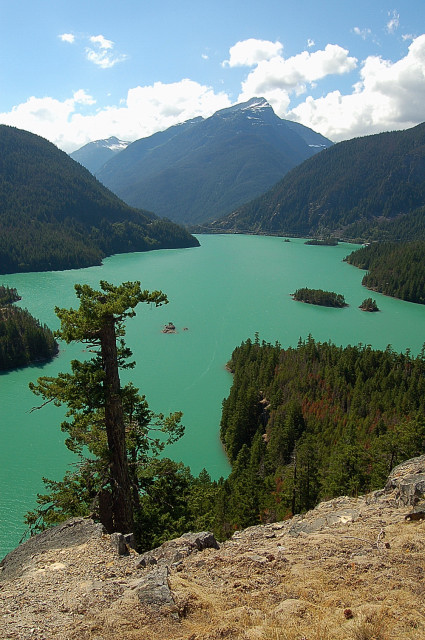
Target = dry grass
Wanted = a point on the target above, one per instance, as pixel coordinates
(335, 584)
(308, 595)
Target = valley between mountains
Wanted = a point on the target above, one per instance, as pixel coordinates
(301, 425)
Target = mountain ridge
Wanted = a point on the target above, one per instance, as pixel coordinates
(94, 154)
(372, 180)
(207, 166)
(55, 215)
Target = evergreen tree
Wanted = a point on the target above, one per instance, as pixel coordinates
(395, 269)
(369, 305)
(23, 339)
(320, 297)
(110, 422)
(8, 295)
(329, 420)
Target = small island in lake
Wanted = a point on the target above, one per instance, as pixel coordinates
(320, 297)
(169, 328)
(369, 305)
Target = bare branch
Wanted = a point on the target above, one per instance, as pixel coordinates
(378, 544)
(41, 406)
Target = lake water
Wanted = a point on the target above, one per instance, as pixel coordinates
(223, 292)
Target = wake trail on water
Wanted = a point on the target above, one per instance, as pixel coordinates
(204, 373)
(219, 336)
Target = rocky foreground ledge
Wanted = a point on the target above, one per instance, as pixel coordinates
(350, 569)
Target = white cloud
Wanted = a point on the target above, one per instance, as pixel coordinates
(102, 55)
(310, 43)
(390, 95)
(393, 22)
(67, 37)
(102, 59)
(160, 105)
(72, 123)
(101, 51)
(102, 42)
(47, 116)
(81, 97)
(247, 53)
(277, 78)
(363, 33)
(387, 95)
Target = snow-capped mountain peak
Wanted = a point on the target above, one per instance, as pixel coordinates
(112, 143)
(94, 154)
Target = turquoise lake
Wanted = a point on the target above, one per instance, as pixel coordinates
(222, 292)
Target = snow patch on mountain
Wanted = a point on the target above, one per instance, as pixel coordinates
(256, 104)
(113, 143)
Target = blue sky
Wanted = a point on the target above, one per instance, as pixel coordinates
(84, 70)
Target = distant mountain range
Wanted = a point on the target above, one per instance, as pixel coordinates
(94, 154)
(55, 215)
(371, 187)
(205, 168)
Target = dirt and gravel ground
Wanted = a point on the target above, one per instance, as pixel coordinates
(351, 569)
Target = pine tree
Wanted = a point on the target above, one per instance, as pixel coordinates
(110, 421)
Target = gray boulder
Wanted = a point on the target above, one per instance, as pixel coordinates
(71, 533)
(153, 590)
(407, 482)
(174, 551)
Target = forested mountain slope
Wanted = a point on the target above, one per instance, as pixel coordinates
(55, 215)
(205, 168)
(353, 188)
(316, 421)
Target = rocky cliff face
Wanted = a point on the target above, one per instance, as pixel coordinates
(348, 569)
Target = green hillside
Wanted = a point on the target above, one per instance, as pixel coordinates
(356, 188)
(55, 215)
(316, 421)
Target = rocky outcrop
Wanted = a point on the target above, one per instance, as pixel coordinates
(169, 328)
(407, 482)
(153, 590)
(350, 568)
(71, 533)
(171, 553)
(319, 522)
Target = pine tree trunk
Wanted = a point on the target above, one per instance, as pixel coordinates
(122, 510)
